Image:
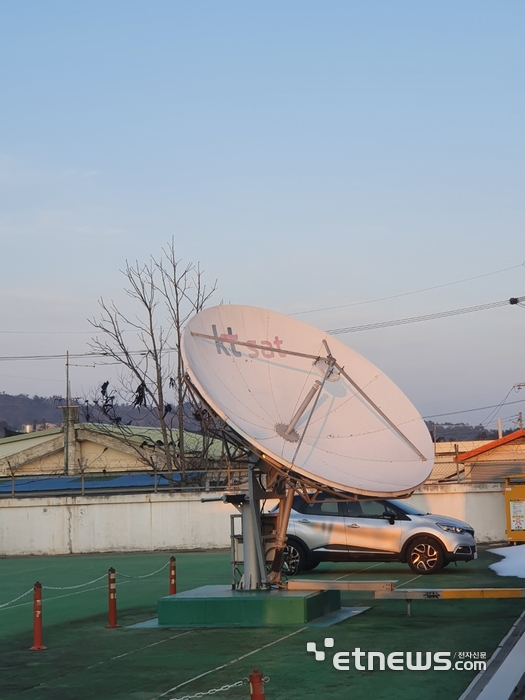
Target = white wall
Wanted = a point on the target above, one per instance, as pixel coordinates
(480, 505)
(147, 522)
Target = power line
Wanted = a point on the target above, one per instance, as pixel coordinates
(311, 311)
(514, 301)
(63, 356)
(406, 294)
(33, 379)
(47, 332)
(471, 410)
(494, 412)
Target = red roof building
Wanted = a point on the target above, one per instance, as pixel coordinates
(495, 460)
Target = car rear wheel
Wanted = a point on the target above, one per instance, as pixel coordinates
(294, 560)
(425, 556)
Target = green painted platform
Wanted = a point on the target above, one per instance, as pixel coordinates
(220, 606)
(85, 661)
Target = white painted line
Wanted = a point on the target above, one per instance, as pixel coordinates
(104, 661)
(229, 663)
(503, 682)
(409, 581)
(147, 646)
(472, 691)
(352, 573)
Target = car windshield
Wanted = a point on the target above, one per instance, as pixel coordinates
(407, 508)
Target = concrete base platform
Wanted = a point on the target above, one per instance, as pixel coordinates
(220, 606)
(327, 620)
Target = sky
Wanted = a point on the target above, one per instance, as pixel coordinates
(312, 157)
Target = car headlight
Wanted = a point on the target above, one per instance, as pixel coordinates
(451, 528)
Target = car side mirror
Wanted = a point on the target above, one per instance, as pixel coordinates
(389, 516)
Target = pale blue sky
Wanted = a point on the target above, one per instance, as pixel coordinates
(308, 154)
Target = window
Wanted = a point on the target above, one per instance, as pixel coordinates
(373, 509)
(322, 508)
(353, 508)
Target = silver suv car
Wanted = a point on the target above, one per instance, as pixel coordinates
(385, 530)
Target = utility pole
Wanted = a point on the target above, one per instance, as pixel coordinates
(70, 417)
(66, 427)
(520, 414)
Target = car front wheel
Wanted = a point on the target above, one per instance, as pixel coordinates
(294, 559)
(425, 556)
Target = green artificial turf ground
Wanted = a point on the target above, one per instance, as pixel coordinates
(85, 660)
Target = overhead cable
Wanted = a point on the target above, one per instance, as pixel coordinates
(427, 317)
(406, 294)
(72, 356)
(513, 301)
(472, 410)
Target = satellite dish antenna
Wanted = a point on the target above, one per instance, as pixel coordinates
(307, 401)
(316, 412)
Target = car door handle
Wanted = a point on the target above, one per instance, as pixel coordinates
(304, 520)
(353, 525)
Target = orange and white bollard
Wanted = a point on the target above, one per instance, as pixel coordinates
(256, 685)
(173, 575)
(112, 599)
(38, 644)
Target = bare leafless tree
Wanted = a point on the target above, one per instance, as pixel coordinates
(146, 345)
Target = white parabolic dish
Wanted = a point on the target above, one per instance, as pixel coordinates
(359, 432)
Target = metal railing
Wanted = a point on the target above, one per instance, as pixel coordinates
(451, 472)
(86, 482)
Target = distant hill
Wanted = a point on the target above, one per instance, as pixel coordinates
(40, 412)
(458, 432)
(18, 411)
